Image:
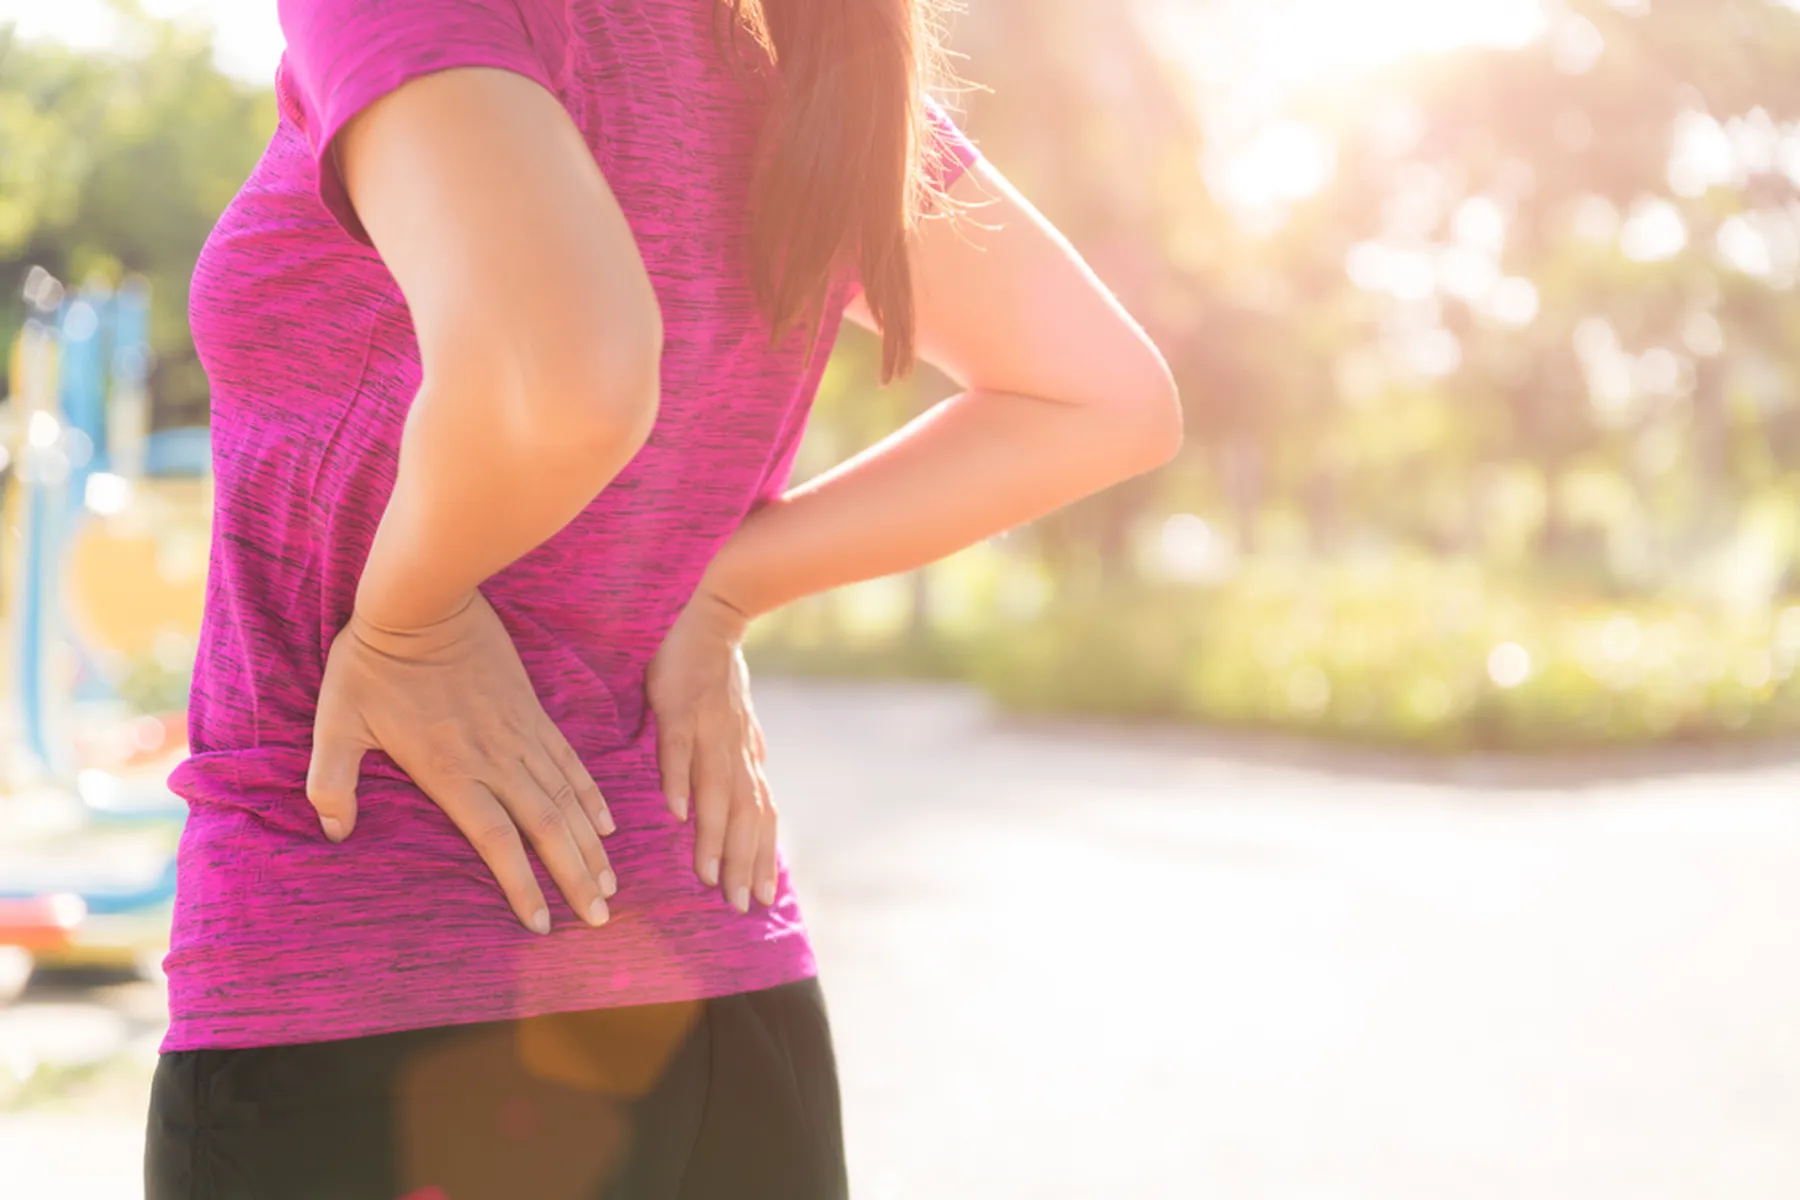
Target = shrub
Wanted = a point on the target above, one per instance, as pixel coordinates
(1427, 654)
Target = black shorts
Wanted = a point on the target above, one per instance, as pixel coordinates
(727, 1099)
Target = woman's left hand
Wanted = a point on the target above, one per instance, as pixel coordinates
(710, 749)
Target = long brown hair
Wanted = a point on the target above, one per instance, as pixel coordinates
(841, 177)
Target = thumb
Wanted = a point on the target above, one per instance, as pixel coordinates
(331, 779)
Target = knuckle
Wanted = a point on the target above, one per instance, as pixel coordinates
(548, 821)
(710, 800)
(447, 757)
(496, 835)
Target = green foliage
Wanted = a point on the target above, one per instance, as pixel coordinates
(1408, 656)
(1415, 653)
(121, 163)
(1612, 465)
(154, 686)
(1303, 386)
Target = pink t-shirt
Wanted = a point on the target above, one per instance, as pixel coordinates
(279, 936)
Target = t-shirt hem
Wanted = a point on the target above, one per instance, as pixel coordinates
(334, 1024)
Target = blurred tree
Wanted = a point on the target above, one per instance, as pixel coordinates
(118, 163)
(1076, 106)
(1574, 249)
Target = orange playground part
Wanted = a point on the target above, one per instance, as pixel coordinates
(41, 924)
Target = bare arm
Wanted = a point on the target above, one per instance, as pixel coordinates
(540, 342)
(537, 327)
(1065, 396)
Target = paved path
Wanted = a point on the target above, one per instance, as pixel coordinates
(1069, 963)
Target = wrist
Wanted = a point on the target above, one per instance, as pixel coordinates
(733, 578)
(394, 624)
(402, 588)
(720, 610)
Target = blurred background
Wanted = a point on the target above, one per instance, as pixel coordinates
(1394, 796)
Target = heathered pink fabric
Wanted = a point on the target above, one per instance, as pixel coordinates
(279, 936)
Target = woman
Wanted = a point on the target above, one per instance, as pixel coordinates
(512, 335)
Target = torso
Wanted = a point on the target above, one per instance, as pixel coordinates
(281, 937)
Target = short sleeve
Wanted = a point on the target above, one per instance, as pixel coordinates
(343, 55)
(950, 153)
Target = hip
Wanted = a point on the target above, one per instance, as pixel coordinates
(733, 1096)
(281, 937)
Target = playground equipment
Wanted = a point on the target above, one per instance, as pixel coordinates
(105, 585)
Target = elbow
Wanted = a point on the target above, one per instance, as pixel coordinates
(594, 398)
(615, 402)
(1146, 419)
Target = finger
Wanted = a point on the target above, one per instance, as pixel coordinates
(767, 872)
(331, 776)
(712, 811)
(548, 826)
(758, 743)
(561, 790)
(490, 829)
(675, 758)
(587, 792)
(741, 837)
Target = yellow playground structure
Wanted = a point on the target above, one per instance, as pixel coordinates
(106, 531)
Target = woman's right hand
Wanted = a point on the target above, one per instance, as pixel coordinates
(452, 705)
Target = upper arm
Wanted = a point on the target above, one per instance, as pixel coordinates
(439, 142)
(488, 208)
(1004, 303)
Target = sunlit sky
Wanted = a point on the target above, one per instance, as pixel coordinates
(1270, 46)
(249, 40)
(1251, 56)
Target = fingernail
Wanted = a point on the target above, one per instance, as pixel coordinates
(741, 900)
(709, 872)
(609, 884)
(334, 828)
(597, 913)
(766, 893)
(607, 826)
(681, 808)
(540, 921)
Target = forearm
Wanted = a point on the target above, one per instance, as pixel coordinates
(477, 488)
(976, 465)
